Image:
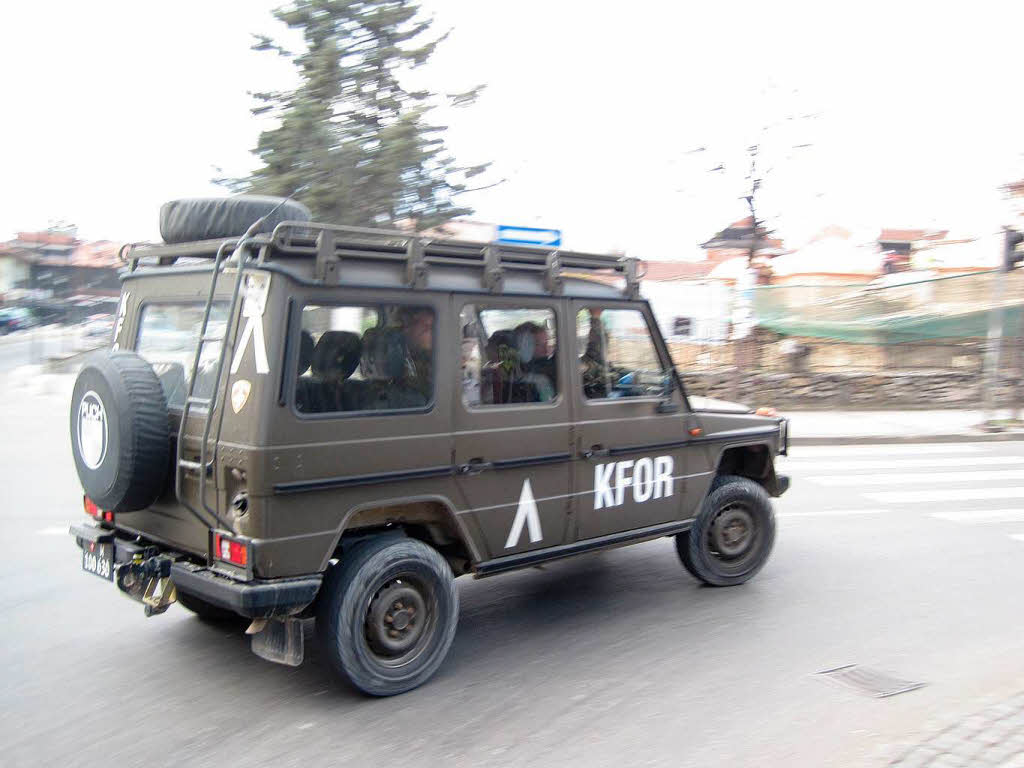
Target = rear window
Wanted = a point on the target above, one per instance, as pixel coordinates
(168, 334)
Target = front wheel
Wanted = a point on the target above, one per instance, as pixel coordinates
(387, 614)
(732, 535)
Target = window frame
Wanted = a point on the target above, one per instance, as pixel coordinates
(581, 305)
(508, 303)
(291, 370)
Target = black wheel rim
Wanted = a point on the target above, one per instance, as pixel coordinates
(734, 537)
(400, 620)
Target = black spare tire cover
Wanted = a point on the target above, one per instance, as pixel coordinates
(206, 218)
(120, 437)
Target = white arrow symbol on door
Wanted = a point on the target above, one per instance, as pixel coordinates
(526, 513)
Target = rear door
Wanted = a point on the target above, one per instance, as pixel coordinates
(512, 422)
(631, 442)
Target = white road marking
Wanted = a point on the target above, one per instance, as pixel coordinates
(833, 513)
(1017, 536)
(980, 516)
(53, 530)
(882, 450)
(900, 463)
(919, 477)
(946, 494)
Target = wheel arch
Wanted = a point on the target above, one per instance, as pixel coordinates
(429, 518)
(753, 460)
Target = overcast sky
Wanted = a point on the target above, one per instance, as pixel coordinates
(592, 115)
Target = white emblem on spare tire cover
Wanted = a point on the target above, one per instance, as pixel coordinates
(92, 430)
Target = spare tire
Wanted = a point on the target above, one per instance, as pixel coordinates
(120, 437)
(206, 218)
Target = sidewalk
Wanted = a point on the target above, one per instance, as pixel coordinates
(849, 427)
(992, 738)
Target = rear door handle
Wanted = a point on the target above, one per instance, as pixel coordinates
(474, 466)
(596, 451)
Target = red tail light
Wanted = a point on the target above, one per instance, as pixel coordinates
(90, 508)
(234, 552)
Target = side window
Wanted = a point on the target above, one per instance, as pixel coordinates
(365, 358)
(168, 334)
(508, 355)
(617, 355)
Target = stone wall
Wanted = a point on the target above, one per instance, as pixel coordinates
(868, 391)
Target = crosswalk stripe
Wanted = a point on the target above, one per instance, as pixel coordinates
(891, 449)
(981, 516)
(945, 494)
(1017, 536)
(919, 477)
(899, 463)
(832, 513)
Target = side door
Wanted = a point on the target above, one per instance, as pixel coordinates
(631, 440)
(511, 421)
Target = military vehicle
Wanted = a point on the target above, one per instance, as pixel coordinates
(300, 421)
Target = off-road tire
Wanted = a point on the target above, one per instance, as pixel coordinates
(207, 218)
(696, 547)
(347, 603)
(208, 611)
(127, 469)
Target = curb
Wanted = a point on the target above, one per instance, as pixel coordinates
(961, 437)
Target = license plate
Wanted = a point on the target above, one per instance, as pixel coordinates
(99, 559)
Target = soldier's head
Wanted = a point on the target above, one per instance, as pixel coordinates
(418, 326)
(539, 338)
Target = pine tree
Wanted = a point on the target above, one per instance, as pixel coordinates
(350, 134)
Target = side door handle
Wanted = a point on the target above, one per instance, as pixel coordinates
(474, 466)
(596, 452)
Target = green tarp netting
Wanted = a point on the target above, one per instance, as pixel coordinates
(875, 313)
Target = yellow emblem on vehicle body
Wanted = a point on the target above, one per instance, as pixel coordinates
(240, 394)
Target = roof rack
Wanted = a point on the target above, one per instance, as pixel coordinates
(330, 245)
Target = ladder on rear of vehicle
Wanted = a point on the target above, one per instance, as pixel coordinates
(207, 459)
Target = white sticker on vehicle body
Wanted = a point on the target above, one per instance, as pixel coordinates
(649, 478)
(122, 312)
(253, 306)
(526, 515)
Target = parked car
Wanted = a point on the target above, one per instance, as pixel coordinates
(15, 319)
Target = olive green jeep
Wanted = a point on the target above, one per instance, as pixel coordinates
(308, 421)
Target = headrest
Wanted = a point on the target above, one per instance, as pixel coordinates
(385, 354)
(305, 351)
(336, 354)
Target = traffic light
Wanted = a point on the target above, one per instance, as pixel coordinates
(1011, 256)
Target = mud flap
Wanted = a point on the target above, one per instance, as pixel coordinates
(280, 641)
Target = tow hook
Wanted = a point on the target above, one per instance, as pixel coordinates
(147, 581)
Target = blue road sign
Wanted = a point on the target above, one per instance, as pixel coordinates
(529, 236)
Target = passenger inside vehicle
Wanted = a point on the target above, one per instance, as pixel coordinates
(388, 366)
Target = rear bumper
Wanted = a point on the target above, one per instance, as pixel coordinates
(258, 599)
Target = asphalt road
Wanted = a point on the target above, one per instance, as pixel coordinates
(905, 559)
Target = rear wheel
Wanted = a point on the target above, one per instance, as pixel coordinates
(387, 614)
(733, 534)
